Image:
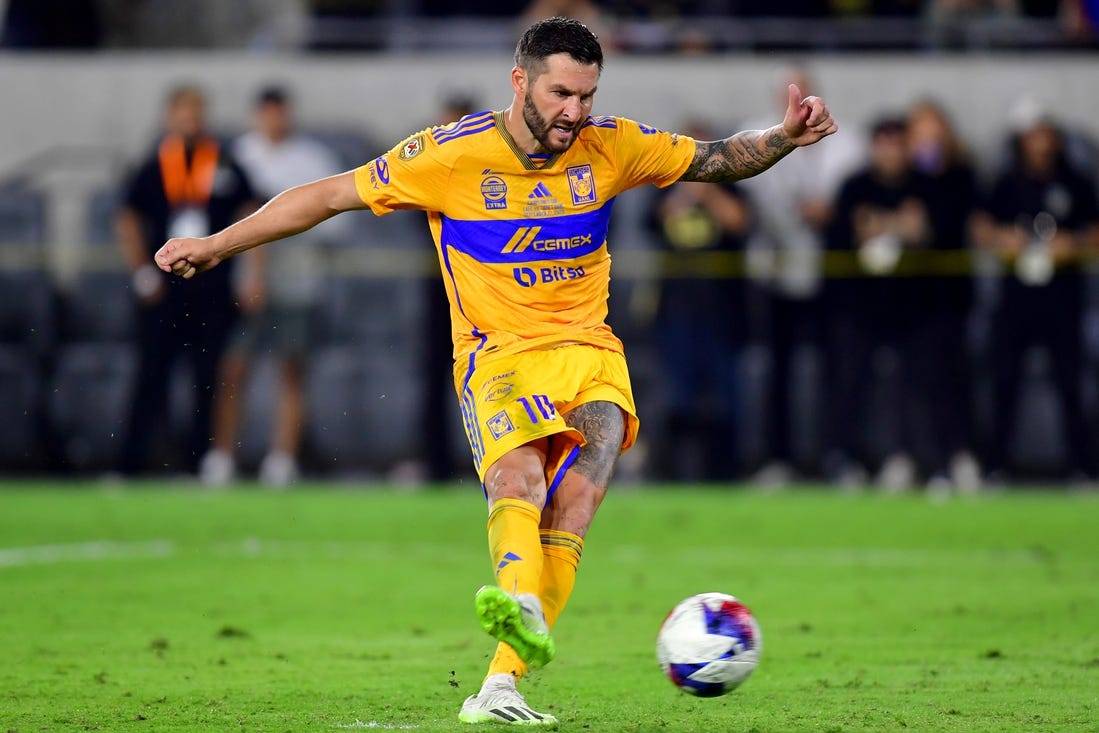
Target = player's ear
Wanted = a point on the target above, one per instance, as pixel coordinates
(519, 81)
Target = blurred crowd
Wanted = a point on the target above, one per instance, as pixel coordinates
(880, 308)
(916, 293)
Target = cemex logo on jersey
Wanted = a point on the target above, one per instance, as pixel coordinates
(528, 277)
(527, 238)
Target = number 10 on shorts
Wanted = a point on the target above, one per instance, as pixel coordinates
(538, 407)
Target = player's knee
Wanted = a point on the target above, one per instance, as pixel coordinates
(518, 475)
(513, 482)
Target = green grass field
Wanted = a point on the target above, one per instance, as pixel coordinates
(326, 609)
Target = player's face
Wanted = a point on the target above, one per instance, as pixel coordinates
(559, 100)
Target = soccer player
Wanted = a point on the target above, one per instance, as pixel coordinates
(518, 203)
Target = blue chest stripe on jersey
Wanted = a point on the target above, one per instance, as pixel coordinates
(505, 241)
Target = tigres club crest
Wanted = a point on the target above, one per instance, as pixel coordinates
(582, 185)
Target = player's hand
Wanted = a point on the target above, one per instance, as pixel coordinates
(187, 256)
(807, 120)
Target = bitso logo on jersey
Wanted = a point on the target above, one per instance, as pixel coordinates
(525, 276)
(529, 277)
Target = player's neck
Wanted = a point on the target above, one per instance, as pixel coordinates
(520, 133)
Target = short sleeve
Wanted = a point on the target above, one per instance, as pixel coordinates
(648, 155)
(413, 175)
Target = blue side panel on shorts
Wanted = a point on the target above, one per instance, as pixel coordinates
(529, 240)
(467, 403)
(469, 409)
(565, 466)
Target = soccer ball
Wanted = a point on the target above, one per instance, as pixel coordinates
(709, 644)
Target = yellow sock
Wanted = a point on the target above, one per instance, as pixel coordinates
(561, 556)
(514, 545)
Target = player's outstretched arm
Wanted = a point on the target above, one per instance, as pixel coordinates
(753, 151)
(291, 212)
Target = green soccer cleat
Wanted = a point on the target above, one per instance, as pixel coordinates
(518, 621)
(499, 702)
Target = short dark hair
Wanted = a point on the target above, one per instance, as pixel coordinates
(891, 125)
(272, 94)
(557, 35)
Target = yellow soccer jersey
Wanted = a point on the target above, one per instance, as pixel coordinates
(522, 240)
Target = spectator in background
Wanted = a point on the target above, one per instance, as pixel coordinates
(700, 324)
(935, 354)
(880, 212)
(189, 186)
(283, 288)
(793, 208)
(1041, 218)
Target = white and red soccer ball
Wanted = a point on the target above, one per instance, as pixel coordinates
(709, 644)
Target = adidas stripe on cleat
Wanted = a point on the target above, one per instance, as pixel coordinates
(518, 621)
(500, 702)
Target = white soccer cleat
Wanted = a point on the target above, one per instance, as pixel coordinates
(516, 620)
(499, 702)
(217, 468)
(278, 470)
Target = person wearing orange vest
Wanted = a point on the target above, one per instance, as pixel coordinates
(189, 185)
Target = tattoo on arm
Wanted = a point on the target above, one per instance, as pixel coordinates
(604, 427)
(741, 156)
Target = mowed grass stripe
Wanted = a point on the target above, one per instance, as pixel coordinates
(111, 550)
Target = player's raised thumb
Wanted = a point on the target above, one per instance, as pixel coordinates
(795, 96)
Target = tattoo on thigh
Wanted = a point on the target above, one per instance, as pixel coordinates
(604, 427)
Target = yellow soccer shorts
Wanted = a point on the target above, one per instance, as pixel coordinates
(514, 399)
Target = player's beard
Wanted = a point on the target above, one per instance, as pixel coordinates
(538, 127)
